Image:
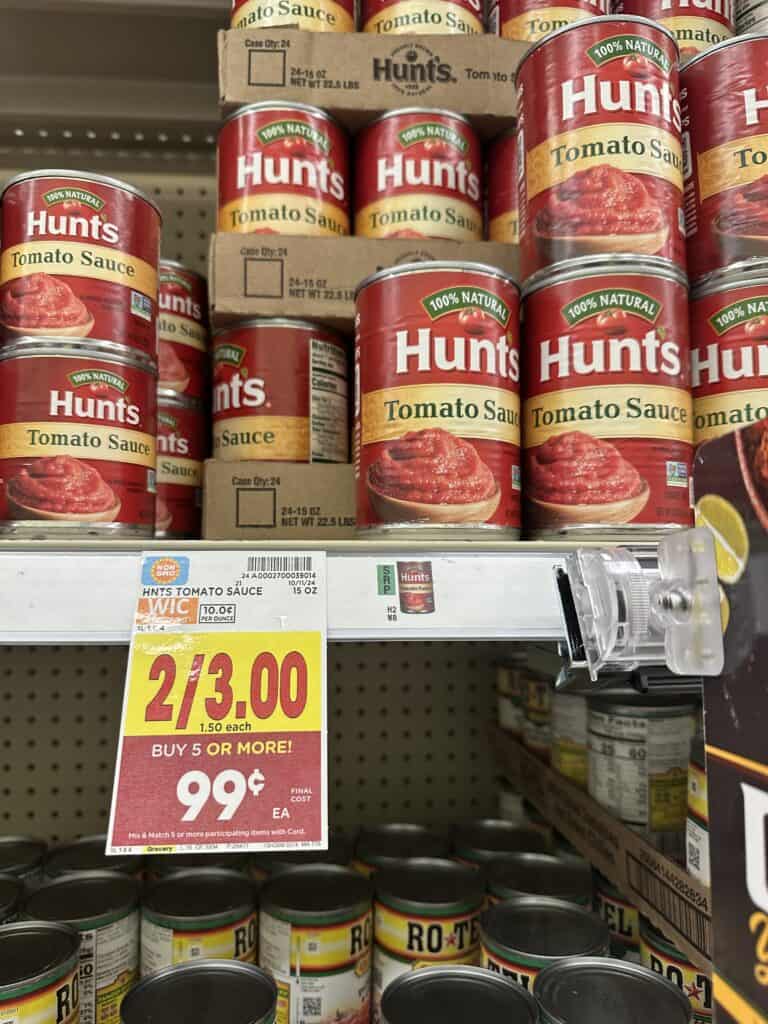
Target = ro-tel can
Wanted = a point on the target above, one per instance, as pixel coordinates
(418, 174)
(22, 857)
(484, 840)
(455, 995)
(520, 937)
(697, 821)
(437, 421)
(426, 914)
(622, 918)
(213, 990)
(607, 422)
(638, 763)
(380, 846)
(182, 330)
(509, 695)
(527, 21)
(87, 854)
(511, 803)
(161, 865)
(340, 850)
(280, 392)
(283, 170)
(729, 349)
(501, 189)
(415, 588)
(537, 715)
(77, 439)
(103, 906)
(316, 931)
(181, 448)
(725, 118)
(696, 24)
(11, 893)
(434, 17)
(79, 259)
(39, 981)
(203, 912)
(569, 736)
(751, 16)
(596, 990)
(601, 165)
(540, 874)
(657, 953)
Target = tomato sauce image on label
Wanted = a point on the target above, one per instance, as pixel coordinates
(530, 20)
(695, 24)
(599, 139)
(423, 17)
(309, 15)
(415, 588)
(725, 113)
(77, 439)
(181, 450)
(78, 259)
(501, 189)
(437, 421)
(182, 330)
(607, 420)
(729, 351)
(283, 170)
(419, 175)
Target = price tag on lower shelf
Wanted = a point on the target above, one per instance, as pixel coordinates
(223, 734)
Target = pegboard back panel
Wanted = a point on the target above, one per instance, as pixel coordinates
(407, 734)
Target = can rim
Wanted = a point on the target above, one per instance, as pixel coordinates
(600, 938)
(602, 19)
(469, 974)
(167, 396)
(358, 903)
(731, 276)
(644, 702)
(439, 111)
(428, 266)
(178, 265)
(52, 972)
(546, 864)
(134, 860)
(151, 906)
(276, 321)
(67, 174)
(114, 911)
(111, 351)
(746, 37)
(35, 840)
(11, 904)
(307, 108)
(587, 266)
(470, 887)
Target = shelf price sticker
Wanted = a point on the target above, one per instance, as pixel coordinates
(223, 733)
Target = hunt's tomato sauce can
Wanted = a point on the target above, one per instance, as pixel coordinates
(599, 144)
(431, 17)
(77, 439)
(729, 349)
(280, 392)
(529, 20)
(501, 189)
(181, 450)
(607, 419)
(437, 422)
(695, 24)
(78, 259)
(182, 330)
(310, 15)
(419, 175)
(283, 170)
(725, 111)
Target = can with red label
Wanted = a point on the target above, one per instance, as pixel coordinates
(607, 417)
(726, 120)
(78, 259)
(416, 588)
(600, 145)
(315, 16)
(501, 189)
(283, 170)
(695, 24)
(729, 349)
(437, 406)
(77, 439)
(419, 175)
(181, 449)
(280, 392)
(529, 20)
(182, 330)
(432, 17)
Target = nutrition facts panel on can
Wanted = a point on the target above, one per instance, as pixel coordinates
(108, 968)
(329, 402)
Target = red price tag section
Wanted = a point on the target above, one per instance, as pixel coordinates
(223, 738)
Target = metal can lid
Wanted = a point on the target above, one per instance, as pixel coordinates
(84, 348)
(68, 174)
(486, 838)
(339, 852)
(615, 263)
(305, 108)
(276, 321)
(36, 952)
(82, 898)
(455, 995)
(744, 273)
(200, 893)
(423, 111)
(178, 265)
(712, 51)
(316, 893)
(203, 992)
(379, 845)
(11, 892)
(430, 266)
(431, 883)
(645, 703)
(545, 928)
(601, 990)
(87, 854)
(168, 398)
(540, 874)
(159, 865)
(20, 855)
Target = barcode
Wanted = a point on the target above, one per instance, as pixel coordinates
(195, 951)
(312, 1006)
(694, 856)
(279, 563)
(691, 922)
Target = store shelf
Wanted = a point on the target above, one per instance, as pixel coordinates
(665, 893)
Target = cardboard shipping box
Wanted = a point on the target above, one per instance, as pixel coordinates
(278, 501)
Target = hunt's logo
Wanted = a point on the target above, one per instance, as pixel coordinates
(412, 69)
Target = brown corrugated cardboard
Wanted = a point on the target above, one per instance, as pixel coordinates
(258, 275)
(278, 501)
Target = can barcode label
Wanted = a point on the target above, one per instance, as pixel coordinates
(689, 920)
(280, 563)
